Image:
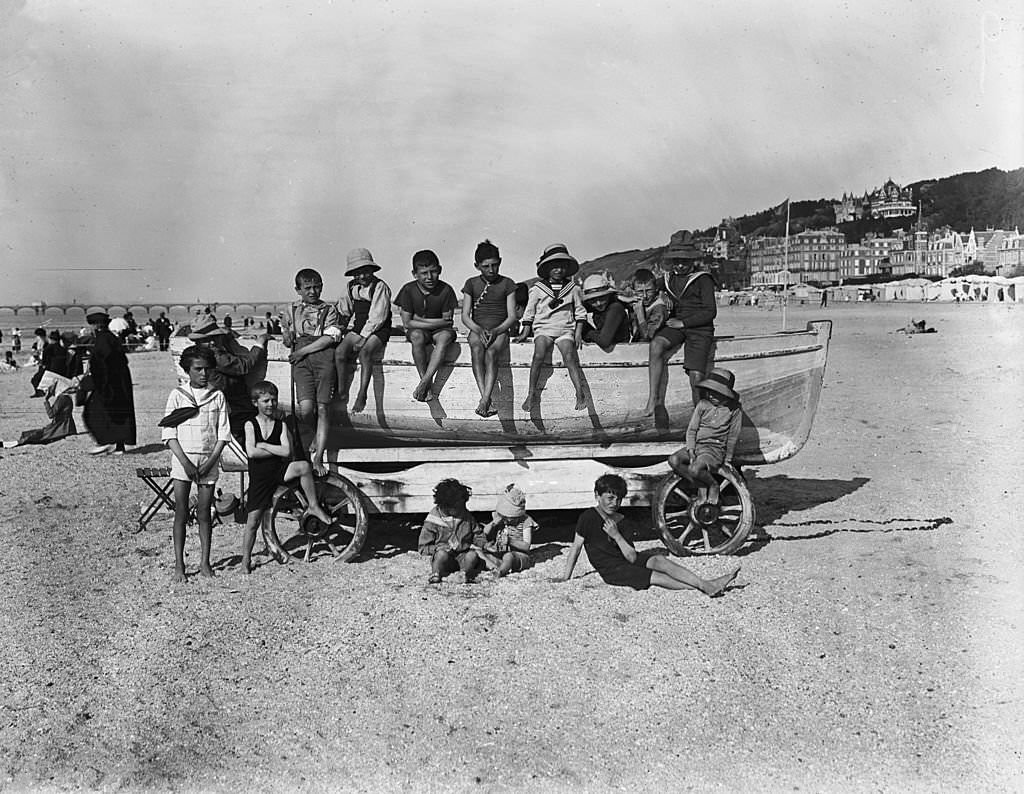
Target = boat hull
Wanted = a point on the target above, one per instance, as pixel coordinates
(779, 377)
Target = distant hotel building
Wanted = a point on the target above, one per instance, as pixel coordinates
(888, 201)
(813, 256)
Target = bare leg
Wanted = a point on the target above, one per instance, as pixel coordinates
(366, 356)
(477, 352)
(305, 412)
(679, 462)
(661, 350)
(673, 576)
(469, 563)
(440, 564)
(541, 346)
(304, 473)
(182, 488)
(420, 342)
(205, 528)
(442, 339)
(249, 538)
(696, 376)
(571, 359)
(342, 364)
(506, 565)
(699, 473)
(320, 444)
(498, 346)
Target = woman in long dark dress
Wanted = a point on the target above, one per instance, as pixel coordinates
(110, 408)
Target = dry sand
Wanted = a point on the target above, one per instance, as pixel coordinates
(868, 646)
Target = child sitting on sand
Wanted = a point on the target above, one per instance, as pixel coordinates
(711, 435)
(268, 447)
(195, 429)
(488, 311)
(555, 315)
(650, 310)
(427, 306)
(449, 532)
(600, 530)
(508, 535)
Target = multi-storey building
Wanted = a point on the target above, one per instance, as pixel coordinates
(888, 201)
(1010, 255)
(812, 256)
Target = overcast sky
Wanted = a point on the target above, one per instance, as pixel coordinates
(194, 149)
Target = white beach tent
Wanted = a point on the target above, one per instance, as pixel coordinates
(910, 289)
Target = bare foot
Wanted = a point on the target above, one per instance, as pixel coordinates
(581, 402)
(179, 575)
(321, 514)
(246, 566)
(316, 460)
(359, 405)
(482, 407)
(529, 401)
(206, 570)
(716, 586)
(421, 392)
(650, 408)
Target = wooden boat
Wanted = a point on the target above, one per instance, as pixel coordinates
(778, 375)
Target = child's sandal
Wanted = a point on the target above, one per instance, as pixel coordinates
(435, 578)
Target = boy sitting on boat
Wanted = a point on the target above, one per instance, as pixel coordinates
(365, 309)
(427, 306)
(650, 310)
(711, 435)
(610, 317)
(488, 311)
(311, 328)
(555, 316)
(691, 324)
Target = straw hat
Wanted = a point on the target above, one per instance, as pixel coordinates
(360, 259)
(596, 286)
(720, 381)
(557, 252)
(512, 503)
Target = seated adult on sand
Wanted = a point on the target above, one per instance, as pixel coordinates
(427, 306)
(365, 310)
(692, 321)
(60, 412)
(610, 318)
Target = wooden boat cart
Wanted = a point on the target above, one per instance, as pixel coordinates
(779, 376)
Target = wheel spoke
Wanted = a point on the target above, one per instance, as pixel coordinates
(690, 526)
(685, 497)
(724, 485)
(707, 540)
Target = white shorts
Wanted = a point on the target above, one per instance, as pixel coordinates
(178, 471)
(556, 331)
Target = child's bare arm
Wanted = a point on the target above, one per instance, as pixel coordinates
(211, 462)
(523, 545)
(570, 561)
(183, 459)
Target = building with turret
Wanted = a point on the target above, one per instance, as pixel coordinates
(888, 201)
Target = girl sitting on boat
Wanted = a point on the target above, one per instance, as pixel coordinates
(711, 435)
(555, 315)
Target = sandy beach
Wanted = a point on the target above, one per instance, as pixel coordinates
(874, 643)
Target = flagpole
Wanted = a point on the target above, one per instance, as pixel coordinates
(785, 269)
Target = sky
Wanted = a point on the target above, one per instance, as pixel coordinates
(197, 150)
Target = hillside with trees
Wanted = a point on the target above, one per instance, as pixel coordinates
(980, 200)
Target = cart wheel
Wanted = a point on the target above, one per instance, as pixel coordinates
(691, 526)
(291, 534)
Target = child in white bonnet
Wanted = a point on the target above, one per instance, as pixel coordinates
(509, 534)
